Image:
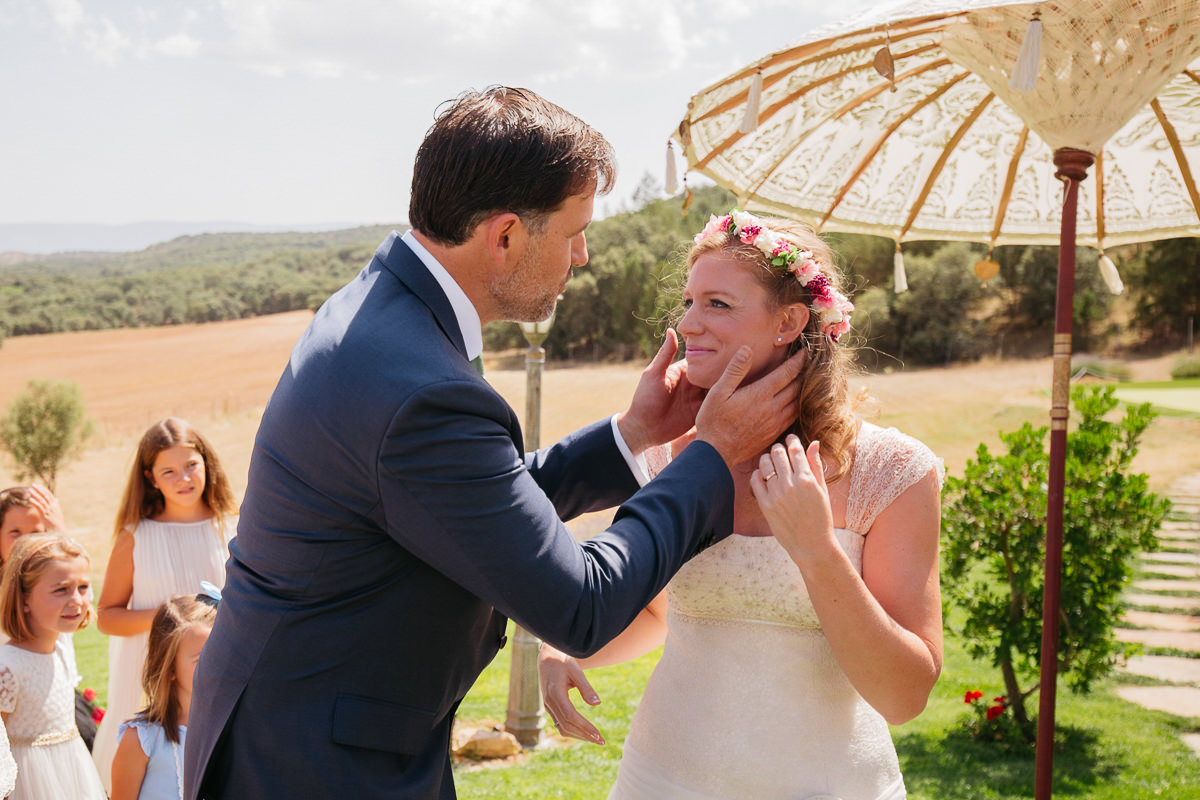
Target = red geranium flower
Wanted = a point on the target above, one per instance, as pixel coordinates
(994, 712)
(97, 714)
(89, 694)
(972, 696)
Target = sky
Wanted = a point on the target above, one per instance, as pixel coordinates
(309, 112)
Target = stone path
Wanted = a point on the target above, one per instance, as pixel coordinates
(1165, 613)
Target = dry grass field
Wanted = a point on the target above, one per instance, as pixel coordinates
(220, 376)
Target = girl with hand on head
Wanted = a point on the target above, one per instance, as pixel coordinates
(170, 535)
(45, 593)
(27, 509)
(792, 644)
(149, 760)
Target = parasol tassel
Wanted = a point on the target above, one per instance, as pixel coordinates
(899, 277)
(1025, 72)
(1108, 271)
(750, 121)
(671, 184)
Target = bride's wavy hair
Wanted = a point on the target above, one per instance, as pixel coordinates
(824, 411)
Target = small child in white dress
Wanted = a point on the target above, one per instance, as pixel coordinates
(45, 592)
(149, 760)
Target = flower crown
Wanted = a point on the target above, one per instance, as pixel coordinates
(831, 306)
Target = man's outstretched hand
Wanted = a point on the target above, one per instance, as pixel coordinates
(741, 422)
(664, 404)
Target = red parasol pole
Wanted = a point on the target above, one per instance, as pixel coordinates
(1072, 168)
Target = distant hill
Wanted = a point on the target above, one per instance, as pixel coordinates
(201, 278)
(195, 250)
(42, 238)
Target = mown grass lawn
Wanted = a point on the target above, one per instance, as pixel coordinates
(1107, 749)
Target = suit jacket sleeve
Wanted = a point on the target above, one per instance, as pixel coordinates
(458, 494)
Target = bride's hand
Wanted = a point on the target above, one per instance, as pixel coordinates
(558, 674)
(789, 485)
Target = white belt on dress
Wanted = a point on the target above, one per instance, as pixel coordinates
(46, 739)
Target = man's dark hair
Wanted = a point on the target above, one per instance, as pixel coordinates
(498, 150)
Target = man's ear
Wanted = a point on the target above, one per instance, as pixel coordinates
(506, 237)
(792, 323)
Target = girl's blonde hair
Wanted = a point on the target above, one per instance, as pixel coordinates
(825, 412)
(31, 556)
(171, 622)
(141, 500)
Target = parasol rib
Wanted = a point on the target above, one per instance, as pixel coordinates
(1100, 201)
(1180, 156)
(882, 140)
(1192, 75)
(1009, 179)
(774, 108)
(941, 162)
(845, 109)
(796, 56)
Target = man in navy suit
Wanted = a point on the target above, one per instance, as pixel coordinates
(392, 522)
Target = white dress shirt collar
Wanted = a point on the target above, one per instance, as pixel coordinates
(464, 311)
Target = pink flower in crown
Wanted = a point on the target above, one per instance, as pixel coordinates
(715, 225)
(825, 304)
(782, 248)
(806, 268)
(749, 233)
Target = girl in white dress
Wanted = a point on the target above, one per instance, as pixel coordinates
(45, 593)
(149, 760)
(790, 645)
(170, 536)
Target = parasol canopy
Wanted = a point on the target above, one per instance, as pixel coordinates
(948, 150)
(977, 120)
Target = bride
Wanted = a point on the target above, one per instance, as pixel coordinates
(791, 645)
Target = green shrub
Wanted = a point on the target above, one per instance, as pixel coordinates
(1188, 367)
(994, 533)
(44, 427)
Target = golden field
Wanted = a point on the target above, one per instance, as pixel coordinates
(220, 375)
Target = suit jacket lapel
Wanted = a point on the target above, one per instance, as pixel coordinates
(402, 262)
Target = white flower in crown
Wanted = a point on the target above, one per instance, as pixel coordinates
(741, 219)
(767, 241)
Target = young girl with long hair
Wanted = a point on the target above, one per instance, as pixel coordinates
(45, 592)
(149, 760)
(170, 535)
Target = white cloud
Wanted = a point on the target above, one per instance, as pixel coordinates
(179, 45)
(414, 41)
(105, 41)
(67, 14)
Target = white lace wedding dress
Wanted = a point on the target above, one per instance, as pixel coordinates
(747, 700)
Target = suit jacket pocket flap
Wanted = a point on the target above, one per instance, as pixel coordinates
(376, 724)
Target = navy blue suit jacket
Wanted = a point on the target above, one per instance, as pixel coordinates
(391, 524)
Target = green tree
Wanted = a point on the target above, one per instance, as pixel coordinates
(993, 528)
(1168, 289)
(44, 427)
(933, 322)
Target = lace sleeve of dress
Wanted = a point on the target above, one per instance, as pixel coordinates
(657, 459)
(886, 463)
(8, 690)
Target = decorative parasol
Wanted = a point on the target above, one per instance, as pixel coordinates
(957, 120)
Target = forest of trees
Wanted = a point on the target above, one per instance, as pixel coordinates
(617, 306)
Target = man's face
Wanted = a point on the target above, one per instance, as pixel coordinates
(530, 292)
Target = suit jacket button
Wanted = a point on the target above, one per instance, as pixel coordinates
(503, 640)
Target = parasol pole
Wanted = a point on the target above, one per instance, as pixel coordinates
(1072, 168)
